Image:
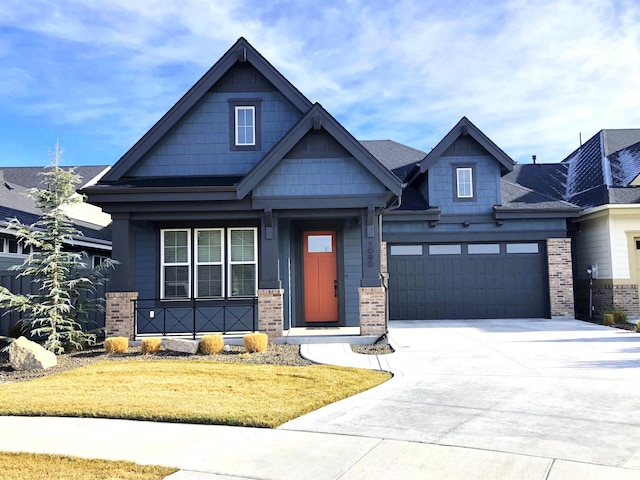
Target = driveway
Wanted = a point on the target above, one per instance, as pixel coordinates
(561, 389)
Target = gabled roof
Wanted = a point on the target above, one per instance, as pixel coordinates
(517, 197)
(318, 117)
(31, 177)
(241, 51)
(547, 178)
(465, 127)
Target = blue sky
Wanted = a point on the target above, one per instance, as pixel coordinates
(532, 75)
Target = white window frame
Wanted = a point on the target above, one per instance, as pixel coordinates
(238, 127)
(97, 260)
(230, 262)
(462, 184)
(163, 264)
(4, 247)
(198, 263)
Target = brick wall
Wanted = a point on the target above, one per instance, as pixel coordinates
(271, 312)
(607, 297)
(120, 314)
(560, 277)
(372, 311)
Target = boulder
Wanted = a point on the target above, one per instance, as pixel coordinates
(182, 345)
(27, 355)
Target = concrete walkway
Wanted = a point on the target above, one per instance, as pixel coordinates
(512, 399)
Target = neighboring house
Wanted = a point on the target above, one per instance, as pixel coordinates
(15, 203)
(603, 177)
(246, 206)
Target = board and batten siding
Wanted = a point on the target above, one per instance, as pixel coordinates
(301, 177)
(442, 185)
(352, 274)
(594, 247)
(146, 263)
(199, 144)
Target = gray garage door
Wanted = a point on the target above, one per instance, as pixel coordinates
(465, 281)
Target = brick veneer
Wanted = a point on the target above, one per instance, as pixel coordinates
(560, 277)
(120, 314)
(372, 311)
(607, 297)
(271, 312)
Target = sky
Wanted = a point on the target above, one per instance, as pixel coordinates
(535, 76)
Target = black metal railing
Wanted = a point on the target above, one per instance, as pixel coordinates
(195, 317)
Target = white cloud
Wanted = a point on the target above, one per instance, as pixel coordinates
(531, 74)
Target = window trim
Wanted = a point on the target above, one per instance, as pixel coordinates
(235, 105)
(197, 263)
(231, 262)
(246, 126)
(5, 244)
(457, 168)
(163, 264)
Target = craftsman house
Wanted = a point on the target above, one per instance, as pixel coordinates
(246, 206)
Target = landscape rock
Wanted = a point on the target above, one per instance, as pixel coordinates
(182, 345)
(27, 355)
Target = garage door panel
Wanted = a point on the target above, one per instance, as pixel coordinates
(467, 286)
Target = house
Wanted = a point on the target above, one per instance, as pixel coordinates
(602, 177)
(93, 225)
(247, 206)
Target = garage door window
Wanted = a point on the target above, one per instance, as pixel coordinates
(406, 249)
(483, 248)
(522, 248)
(445, 249)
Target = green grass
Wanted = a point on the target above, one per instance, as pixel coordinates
(20, 466)
(187, 391)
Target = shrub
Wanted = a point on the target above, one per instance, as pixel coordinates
(638, 326)
(211, 344)
(255, 342)
(150, 345)
(608, 320)
(116, 344)
(619, 316)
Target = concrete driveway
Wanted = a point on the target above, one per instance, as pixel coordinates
(561, 389)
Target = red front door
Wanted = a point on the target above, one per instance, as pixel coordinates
(320, 277)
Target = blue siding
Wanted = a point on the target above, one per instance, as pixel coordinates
(441, 187)
(287, 271)
(352, 274)
(199, 143)
(389, 226)
(318, 176)
(145, 263)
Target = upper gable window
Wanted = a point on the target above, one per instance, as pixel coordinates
(244, 124)
(464, 182)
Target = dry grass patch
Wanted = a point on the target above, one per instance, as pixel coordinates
(255, 342)
(150, 345)
(211, 344)
(19, 466)
(116, 344)
(187, 391)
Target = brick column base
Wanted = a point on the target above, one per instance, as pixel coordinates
(372, 311)
(120, 314)
(560, 278)
(271, 312)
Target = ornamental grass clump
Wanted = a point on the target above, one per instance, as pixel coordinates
(255, 342)
(608, 320)
(116, 344)
(150, 345)
(211, 344)
(619, 316)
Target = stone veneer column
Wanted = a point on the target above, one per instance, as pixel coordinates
(560, 278)
(373, 319)
(120, 314)
(271, 312)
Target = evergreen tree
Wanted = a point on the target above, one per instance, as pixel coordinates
(58, 309)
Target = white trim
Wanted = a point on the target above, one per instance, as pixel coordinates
(231, 262)
(460, 170)
(176, 264)
(237, 126)
(197, 263)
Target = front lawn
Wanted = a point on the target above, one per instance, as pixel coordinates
(187, 391)
(20, 466)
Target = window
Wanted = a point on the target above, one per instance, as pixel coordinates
(223, 263)
(522, 248)
(483, 248)
(245, 125)
(243, 254)
(406, 250)
(12, 246)
(96, 260)
(320, 243)
(445, 249)
(464, 182)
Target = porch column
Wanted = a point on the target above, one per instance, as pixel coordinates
(122, 251)
(371, 294)
(270, 292)
(560, 277)
(120, 314)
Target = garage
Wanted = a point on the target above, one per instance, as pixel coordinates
(467, 281)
